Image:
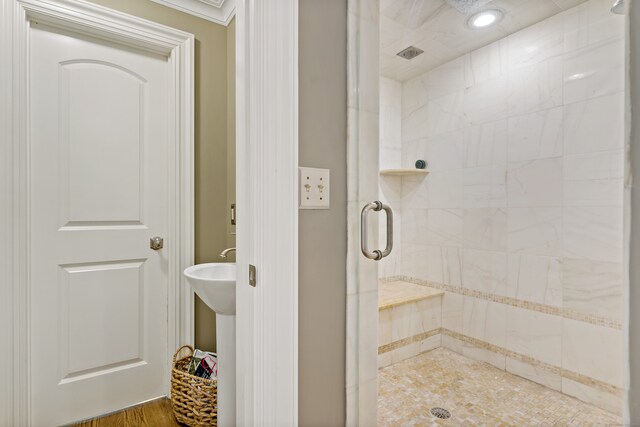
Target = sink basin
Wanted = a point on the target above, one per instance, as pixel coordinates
(215, 284)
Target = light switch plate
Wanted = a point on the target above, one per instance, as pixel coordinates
(314, 188)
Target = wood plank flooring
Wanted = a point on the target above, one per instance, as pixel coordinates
(157, 413)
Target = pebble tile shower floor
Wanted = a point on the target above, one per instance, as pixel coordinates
(476, 394)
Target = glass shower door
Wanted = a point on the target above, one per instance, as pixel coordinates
(362, 272)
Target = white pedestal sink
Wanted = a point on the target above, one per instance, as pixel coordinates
(215, 284)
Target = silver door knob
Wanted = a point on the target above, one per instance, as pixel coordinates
(156, 243)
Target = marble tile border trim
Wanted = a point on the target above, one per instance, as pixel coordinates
(406, 341)
(514, 302)
(564, 373)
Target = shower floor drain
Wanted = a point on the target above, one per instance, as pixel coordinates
(441, 413)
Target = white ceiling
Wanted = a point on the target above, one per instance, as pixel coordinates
(442, 32)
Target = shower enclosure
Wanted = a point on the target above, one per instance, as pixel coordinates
(516, 224)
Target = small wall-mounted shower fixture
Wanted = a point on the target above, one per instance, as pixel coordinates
(410, 52)
(618, 7)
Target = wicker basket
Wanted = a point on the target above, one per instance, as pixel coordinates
(194, 399)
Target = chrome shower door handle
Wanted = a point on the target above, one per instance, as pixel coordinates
(364, 225)
(377, 254)
(389, 247)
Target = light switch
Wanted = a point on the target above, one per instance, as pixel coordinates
(314, 188)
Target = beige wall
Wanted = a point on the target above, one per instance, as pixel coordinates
(231, 130)
(323, 233)
(210, 137)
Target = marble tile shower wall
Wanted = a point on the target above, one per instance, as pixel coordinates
(524, 140)
(390, 157)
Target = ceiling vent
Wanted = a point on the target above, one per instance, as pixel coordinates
(467, 6)
(410, 52)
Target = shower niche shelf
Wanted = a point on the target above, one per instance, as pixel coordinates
(404, 172)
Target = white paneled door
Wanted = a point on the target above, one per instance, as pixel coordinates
(98, 193)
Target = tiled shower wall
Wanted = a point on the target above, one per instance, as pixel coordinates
(390, 157)
(520, 219)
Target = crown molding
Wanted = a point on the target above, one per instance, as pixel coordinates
(216, 3)
(217, 11)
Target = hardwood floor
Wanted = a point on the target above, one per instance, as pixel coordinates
(157, 413)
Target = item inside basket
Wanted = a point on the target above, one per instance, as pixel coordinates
(204, 364)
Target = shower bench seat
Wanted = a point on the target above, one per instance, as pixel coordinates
(392, 294)
(410, 318)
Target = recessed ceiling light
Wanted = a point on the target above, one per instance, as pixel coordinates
(485, 19)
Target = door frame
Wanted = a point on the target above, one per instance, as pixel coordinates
(267, 200)
(106, 24)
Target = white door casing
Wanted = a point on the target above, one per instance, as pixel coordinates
(267, 215)
(85, 253)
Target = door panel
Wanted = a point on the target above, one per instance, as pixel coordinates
(92, 342)
(102, 180)
(99, 192)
